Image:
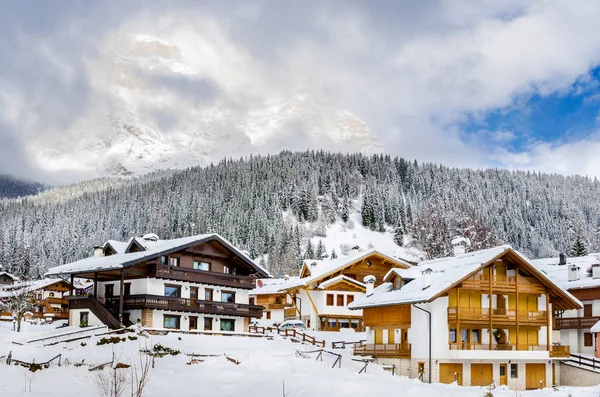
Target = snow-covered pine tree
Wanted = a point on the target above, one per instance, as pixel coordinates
(309, 253)
(399, 235)
(333, 254)
(579, 248)
(321, 249)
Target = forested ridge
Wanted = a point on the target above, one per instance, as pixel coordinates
(244, 200)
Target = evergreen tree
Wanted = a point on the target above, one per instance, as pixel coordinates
(309, 253)
(333, 254)
(399, 235)
(578, 248)
(320, 250)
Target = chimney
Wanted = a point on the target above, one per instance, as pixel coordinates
(370, 282)
(562, 259)
(427, 278)
(286, 277)
(573, 273)
(98, 251)
(460, 245)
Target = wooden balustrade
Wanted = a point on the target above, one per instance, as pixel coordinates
(187, 305)
(555, 350)
(396, 350)
(575, 322)
(470, 315)
(200, 276)
(502, 283)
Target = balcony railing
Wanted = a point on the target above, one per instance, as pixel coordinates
(502, 283)
(200, 276)
(499, 316)
(131, 302)
(555, 351)
(396, 350)
(575, 322)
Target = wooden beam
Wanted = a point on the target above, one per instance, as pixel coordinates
(121, 291)
(548, 319)
(458, 333)
(96, 285)
(517, 303)
(491, 311)
(311, 302)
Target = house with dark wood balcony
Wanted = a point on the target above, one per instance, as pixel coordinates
(49, 295)
(475, 318)
(581, 277)
(197, 283)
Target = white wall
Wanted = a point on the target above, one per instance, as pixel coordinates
(92, 319)
(157, 320)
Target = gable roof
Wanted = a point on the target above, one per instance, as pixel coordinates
(9, 275)
(325, 268)
(154, 250)
(272, 285)
(30, 286)
(560, 273)
(447, 273)
(406, 274)
(340, 279)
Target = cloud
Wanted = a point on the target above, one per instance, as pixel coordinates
(413, 71)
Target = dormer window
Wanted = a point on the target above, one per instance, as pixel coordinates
(397, 283)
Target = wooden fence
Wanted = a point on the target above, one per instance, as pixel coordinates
(288, 332)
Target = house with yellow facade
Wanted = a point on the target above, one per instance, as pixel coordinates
(477, 318)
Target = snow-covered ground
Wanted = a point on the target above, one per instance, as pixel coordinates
(265, 367)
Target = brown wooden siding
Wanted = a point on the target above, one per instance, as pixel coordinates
(390, 316)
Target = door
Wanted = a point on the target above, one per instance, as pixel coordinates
(450, 373)
(378, 336)
(193, 292)
(193, 322)
(109, 290)
(391, 336)
(503, 377)
(481, 374)
(587, 310)
(535, 376)
(127, 289)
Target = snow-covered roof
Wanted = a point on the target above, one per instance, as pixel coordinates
(460, 240)
(34, 285)
(560, 273)
(15, 278)
(322, 268)
(406, 274)
(154, 249)
(272, 285)
(596, 327)
(339, 278)
(445, 272)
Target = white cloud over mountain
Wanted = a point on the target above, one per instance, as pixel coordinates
(173, 84)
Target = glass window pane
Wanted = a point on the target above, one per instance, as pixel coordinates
(201, 266)
(228, 297)
(227, 325)
(452, 336)
(170, 322)
(172, 291)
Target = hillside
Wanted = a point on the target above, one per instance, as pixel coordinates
(11, 187)
(273, 204)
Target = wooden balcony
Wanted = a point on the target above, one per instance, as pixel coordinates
(185, 305)
(555, 351)
(392, 350)
(200, 276)
(278, 306)
(481, 282)
(57, 301)
(575, 322)
(481, 316)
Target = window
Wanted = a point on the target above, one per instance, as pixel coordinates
(201, 266)
(452, 336)
(171, 322)
(163, 260)
(344, 323)
(340, 300)
(587, 310)
(349, 299)
(464, 333)
(109, 290)
(228, 297)
(193, 322)
(503, 370)
(83, 319)
(227, 325)
(208, 323)
(588, 339)
(329, 300)
(51, 295)
(514, 371)
(332, 323)
(278, 300)
(193, 292)
(208, 294)
(173, 261)
(476, 336)
(251, 301)
(127, 289)
(268, 315)
(226, 269)
(173, 291)
(355, 323)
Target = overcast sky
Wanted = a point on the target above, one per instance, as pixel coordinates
(510, 84)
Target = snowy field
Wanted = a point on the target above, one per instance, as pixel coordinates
(264, 366)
